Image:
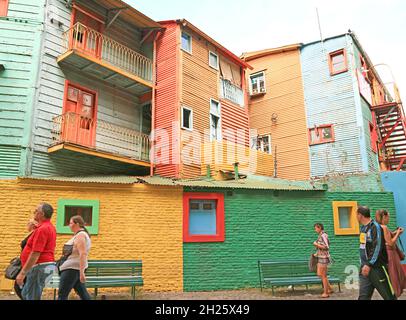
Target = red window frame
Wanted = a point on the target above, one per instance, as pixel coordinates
(3, 8)
(321, 140)
(220, 217)
(331, 55)
(374, 137)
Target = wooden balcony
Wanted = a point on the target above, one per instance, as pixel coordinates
(231, 92)
(97, 55)
(102, 139)
(221, 157)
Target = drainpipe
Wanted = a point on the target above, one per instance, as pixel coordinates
(236, 173)
(154, 81)
(208, 173)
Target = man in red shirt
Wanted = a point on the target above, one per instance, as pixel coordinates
(37, 258)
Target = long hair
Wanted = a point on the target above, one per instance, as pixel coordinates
(79, 220)
(380, 214)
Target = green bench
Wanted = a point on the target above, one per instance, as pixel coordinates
(109, 274)
(289, 273)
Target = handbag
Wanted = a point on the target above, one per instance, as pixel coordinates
(313, 263)
(13, 268)
(66, 252)
(400, 250)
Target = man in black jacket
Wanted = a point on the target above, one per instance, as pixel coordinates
(374, 259)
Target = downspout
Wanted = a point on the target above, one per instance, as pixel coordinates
(27, 151)
(154, 81)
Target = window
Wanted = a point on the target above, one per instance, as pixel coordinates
(213, 60)
(146, 116)
(187, 118)
(186, 42)
(215, 121)
(321, 134)
(338, 62)
(374, 138)
(3, 8)
(258, 83)
(345, 218)
(262, 143)
(87, 209)
(203, 217)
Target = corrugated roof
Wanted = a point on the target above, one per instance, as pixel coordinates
(248, 56)
(251, 183)
(93, 179)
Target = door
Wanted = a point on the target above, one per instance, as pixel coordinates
(79, 121)
(87, 33)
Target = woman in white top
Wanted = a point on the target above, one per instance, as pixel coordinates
(72, 271)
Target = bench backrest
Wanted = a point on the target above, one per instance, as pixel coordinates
(111, 268)
(280, 269)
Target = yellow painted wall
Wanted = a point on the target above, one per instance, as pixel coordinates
(136, 222)
(284, 97)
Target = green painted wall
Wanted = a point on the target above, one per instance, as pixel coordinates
(20, 47)
(261, 225)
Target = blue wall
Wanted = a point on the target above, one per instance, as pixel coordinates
(396, 182)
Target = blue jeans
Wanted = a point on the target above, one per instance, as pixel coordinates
(36, 280)
(70, 279)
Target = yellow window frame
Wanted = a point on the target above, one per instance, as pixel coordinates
(354, 229)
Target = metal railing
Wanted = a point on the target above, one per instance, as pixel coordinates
(103, 48)
(100, 135)
(231, 92)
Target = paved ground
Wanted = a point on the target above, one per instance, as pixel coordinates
(249, 294)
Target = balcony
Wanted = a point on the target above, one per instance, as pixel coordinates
(231, 92)
(221, 157)
(102, 139)
(99, 56)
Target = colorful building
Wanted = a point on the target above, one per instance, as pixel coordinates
(201, 107)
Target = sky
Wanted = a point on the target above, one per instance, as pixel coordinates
(249, 25)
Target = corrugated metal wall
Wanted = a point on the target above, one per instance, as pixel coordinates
(20, 40)
(284, 98)
(330, 100)
(167, 99)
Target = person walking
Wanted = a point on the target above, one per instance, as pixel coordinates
(374, 259)
(396, 273)
(72, 271)
(322, 245)
(31, 226)
(37, 257)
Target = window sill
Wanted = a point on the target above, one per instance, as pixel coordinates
(254, 95)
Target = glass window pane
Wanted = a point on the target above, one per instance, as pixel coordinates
(84, 212)
(87, 99)
(214, 108)
(344, 214)
(313, 136)
(186, 42)
(186, 118)
(338, 58)
(203, 222)
(327, 133)
(73, 94)
(213, 60)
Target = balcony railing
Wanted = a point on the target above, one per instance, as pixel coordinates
(101, 135)
(231, 92)
(105, 49)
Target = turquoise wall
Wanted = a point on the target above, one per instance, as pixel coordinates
(20, 47)
(267, 225)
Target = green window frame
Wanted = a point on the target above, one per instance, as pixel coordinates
(60, 218)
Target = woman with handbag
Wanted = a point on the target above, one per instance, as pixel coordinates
(395, 255)
(72, 269)
(322, 245)
(31, 226)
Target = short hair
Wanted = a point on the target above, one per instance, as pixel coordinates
(320, 225)
(47, 210)
(364, 211)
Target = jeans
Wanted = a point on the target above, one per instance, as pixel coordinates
(378, 279)
(70, 279)
(36, 280)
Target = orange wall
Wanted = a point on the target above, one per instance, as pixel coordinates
(285, 97)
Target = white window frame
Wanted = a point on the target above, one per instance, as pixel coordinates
(190, 120)
(254, 143)
(254, 75)
(217, 67)
(218, 115)
(181, 42)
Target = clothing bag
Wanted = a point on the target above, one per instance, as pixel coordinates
(313, 263)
